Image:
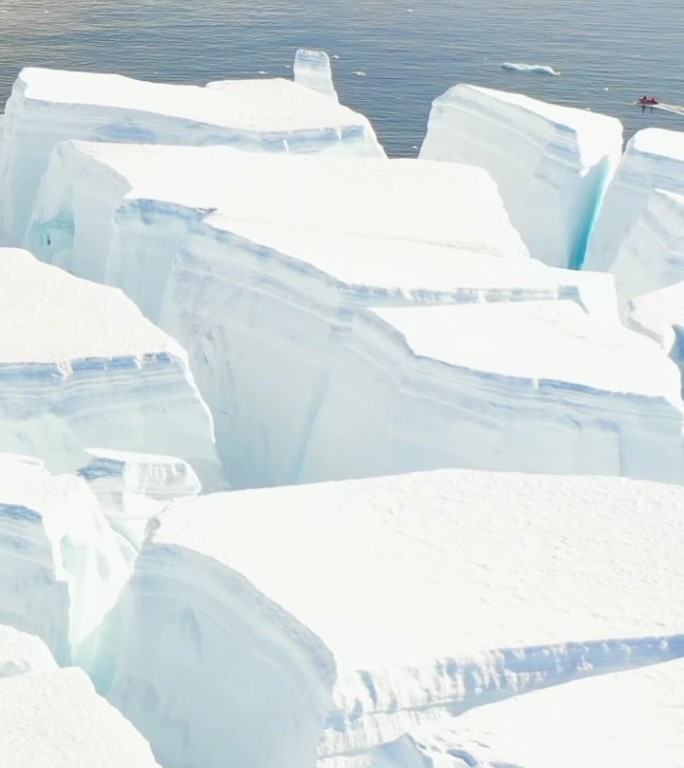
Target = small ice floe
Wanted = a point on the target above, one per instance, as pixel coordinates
(359, 73)
(536, 69)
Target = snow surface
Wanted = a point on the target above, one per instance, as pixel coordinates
(80, 366)
(627, 719)
(21, 652)
(56, 719)
(638, 225)
(551, 163)
(61, 568)
(374, 606)
(263, 284)
(312, 69)
(47, 106)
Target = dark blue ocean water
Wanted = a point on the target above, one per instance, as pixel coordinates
(409, 51)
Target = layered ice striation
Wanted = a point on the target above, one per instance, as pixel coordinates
(551, 163)
(133, 488)
(312, 69)
(47, 106)
(274, 624)
(627, 719)
(638, 234)
(271, 281)
(80, 366)
(55, 718)
(61, 567)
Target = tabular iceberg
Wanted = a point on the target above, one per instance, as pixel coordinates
(57, 719)
(274, 624)
(80, 366)
(638, 231)
(626, 719)
(551, 163)
(262, 283)
(312, 69)
(47, 106)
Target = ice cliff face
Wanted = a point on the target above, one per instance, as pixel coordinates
(372, 607)
(551, 163)
(638, 235)
(630, 719)
(272, 282)
(91, 371)
(47, 106)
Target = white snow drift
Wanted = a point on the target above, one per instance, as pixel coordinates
(80, 366)
(626, 719)
(638, 234)
(551, 163)
(267, 282)
(270, 625)
(47, 106)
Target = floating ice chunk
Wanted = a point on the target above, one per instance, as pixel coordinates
(21, 653)
(373, 606)
(132, 488)
(55, 719)
(630, 719)
(80, 366)
(533, 387)
(274, 115)
(536, 69)
(551, 163)
(312, 69)
(61, 569)
(636, 224)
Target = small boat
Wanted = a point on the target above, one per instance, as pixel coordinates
(647, 101)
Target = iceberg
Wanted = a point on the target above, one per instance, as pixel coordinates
(552, 164)
(21, 653)
(630, 719)
(312, 69)
(56, 718)
(536, 69)
(275, 625)
(274, 115)
(263, 283)
(80, 366)
(61, 568)
(640, 222)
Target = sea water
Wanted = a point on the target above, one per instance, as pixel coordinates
(390, 57)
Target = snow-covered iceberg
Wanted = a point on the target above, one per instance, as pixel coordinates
(276, 115)
(312, 69)
(262, 283)
(61, 568)
(21, 653)
(551, 163)
(270, 625)
(80, 366)
(638, 233)
(57, 719)
(627, 719)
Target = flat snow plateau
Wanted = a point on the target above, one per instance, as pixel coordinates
(551, 163)
(341, 615)
(80, 366)
(47, 106)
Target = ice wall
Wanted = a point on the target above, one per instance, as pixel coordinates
(551, 163)
(630, 719)
(638, 231)
(312, 69)
(338, 616)
(61, 568)
(47, 106)
(80, 366)
(262, 284)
